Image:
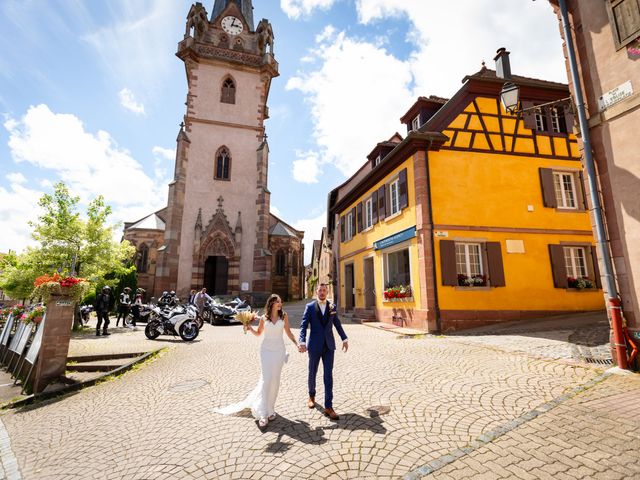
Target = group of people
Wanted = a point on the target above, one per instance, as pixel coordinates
(126, 304)
(319, 317)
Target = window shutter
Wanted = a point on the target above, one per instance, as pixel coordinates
(402, 188)
(528, 117)
(556, 252)
(548, 188)
(596, 268)
(374, 207)
(582, 192)
(359, 215)
(448, 263)
(626, 17)
(387, 199)
(353, 223)
(496, 268)
(381, 203)
(342, 228)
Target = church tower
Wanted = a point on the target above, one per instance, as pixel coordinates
(217, 218)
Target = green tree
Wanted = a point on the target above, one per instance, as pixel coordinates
(68, 244)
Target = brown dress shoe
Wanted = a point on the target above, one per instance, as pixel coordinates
(330, 412)
(311, 403)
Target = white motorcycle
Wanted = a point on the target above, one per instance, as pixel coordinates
(180, 320)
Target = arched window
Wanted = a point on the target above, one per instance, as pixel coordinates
(280, 262)
(223, 165)
(142, 258)
(294, 264)
(228, 91)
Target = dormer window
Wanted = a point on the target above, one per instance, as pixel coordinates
(377, 160)
(415, 123)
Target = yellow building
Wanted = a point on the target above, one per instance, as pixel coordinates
(477, 216)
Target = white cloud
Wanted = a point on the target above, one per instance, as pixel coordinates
(357, 96)
(298, 8)
(16, 178)
(275, 210)
(90, 164)
(312, 228)
(305, 170)
(134, 47)
(128, 101)
(164, 153)
(357, 90)
(19, 206)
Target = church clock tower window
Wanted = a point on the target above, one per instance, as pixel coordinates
(228, 91)
(223, 164)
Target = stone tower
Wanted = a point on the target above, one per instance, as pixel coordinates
(217, 217)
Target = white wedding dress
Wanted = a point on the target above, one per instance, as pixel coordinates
(262, 398)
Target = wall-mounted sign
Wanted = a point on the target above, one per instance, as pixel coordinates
(64, 303)
(245, 286)
(615, 95)
(440, 234)
(395, 238)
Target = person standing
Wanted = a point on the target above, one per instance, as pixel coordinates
(201, 298)
(321, 316)
(192, 298)
(102, 306)
(124, 305)
(136, 307)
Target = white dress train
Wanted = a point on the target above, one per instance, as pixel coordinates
(262, 398)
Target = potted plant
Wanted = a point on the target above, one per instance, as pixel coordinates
(36, 314)
(47, 285)
(392, 293)
(472, 281)
(580, 283)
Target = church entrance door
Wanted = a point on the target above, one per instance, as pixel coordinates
(216, 275)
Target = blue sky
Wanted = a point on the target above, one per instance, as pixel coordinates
(91, 92)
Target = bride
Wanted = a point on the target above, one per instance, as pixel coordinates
(273, 355)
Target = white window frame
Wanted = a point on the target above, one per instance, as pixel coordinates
(368, 213)
(415, 123)
(394, 197)
(385, 264)
(555, 120)
(540, 120)
(467, 258)
(377, 161)
(562, 195)
(349, 229)
(573, 267)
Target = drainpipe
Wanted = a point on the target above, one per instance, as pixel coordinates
(613, 302)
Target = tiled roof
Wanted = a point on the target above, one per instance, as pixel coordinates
(150, 222)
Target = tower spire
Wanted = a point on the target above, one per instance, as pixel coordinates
(246, 7)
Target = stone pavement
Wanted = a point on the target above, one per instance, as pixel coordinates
(441, 407)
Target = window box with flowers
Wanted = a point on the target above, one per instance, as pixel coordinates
(398, 293)
(472, 281)
(35, 315)
(580, 283)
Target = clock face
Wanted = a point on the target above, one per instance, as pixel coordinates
(232, 25)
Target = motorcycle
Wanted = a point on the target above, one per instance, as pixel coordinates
(177, 321)
(144, 315)
(85, 313)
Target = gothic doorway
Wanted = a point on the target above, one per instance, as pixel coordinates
(216, 275)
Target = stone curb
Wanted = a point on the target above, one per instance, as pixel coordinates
(77, 386)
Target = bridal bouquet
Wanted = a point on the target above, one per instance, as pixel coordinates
(246, 318)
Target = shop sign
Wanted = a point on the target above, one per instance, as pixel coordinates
(440, 234)
(616, 95)
(395, 238)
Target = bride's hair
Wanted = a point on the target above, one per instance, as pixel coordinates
(267, 308)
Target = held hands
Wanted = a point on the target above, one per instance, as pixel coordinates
(302, 348)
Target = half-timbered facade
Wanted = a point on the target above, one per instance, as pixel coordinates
(475, 217)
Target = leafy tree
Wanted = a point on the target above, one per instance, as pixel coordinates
(68, 244)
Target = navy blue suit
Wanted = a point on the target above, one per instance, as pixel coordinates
(321, 345)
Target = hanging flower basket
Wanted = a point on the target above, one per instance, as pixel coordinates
(73, 287)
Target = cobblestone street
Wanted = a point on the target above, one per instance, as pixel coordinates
(461, 406)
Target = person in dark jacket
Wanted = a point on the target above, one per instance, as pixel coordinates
(102, 306)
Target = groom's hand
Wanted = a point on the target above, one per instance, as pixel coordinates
(302, 348)
(345, 346)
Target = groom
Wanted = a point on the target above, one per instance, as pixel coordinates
(321, 316)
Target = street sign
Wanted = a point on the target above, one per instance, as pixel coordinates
(615, 95)
(395, 238)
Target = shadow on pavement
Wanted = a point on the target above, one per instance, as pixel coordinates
(297, 430)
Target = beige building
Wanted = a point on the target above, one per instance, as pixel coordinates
(218, 231)
(607, 44)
